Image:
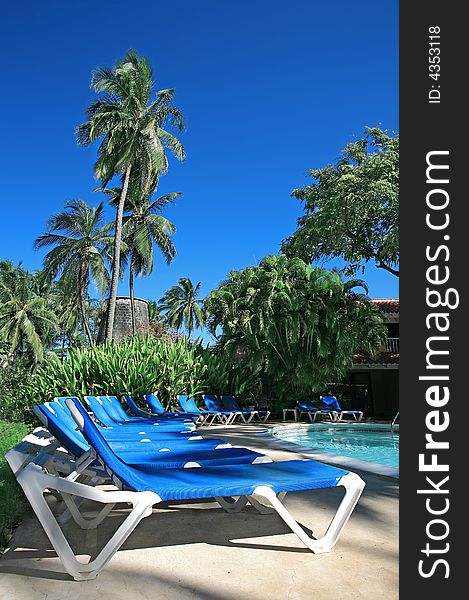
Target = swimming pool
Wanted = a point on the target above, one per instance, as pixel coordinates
(369, 445)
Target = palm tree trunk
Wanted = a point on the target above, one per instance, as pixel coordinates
(131, 291)
(116, 258)
(86, 325)
(82, 287)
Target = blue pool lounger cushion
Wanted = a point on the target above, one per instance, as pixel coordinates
(213, 404)
(105, 411)
(159, 412)
(261, 485)
(171, 455)
(60, 423)
(204, 417)
(330, 402)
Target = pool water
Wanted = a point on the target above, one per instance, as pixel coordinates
(380, 447)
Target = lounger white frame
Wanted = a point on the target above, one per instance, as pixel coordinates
(310, 414)
(31, 474)
(254, 413)
(358, 417)
(333, 415)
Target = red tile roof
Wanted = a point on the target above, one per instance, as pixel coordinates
(387, 305)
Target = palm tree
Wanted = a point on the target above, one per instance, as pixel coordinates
(153, 311)
(80, 254)
(182, 307)
(142, 229)
(28, 321)
(130, 125)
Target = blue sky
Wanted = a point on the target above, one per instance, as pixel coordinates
(269, 90)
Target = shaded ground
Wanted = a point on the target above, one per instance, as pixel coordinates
(197, 551)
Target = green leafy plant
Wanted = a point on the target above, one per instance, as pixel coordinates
(351, 210)
(137, 365)
(298, 325)
(12, 501)
(15, 399)
(223, 375)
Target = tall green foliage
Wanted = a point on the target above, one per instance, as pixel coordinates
(15, 398)
(136, 365)
(351, 210)
(223, 375)
(296, 323)
(28, 321)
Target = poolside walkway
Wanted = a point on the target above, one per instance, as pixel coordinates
(195, 551)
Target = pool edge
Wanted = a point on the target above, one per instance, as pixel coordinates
(328, 457)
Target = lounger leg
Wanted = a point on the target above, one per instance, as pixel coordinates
(231, 504)
(353, 485)
(34, 482)
(231, 418)
(83, 523)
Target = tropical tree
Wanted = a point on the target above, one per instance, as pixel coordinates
(80, 253)
(130, 120)
(28, 322)
(298, 324)
(182, 307)
(143, 229)
(153, 311)
(351, 211)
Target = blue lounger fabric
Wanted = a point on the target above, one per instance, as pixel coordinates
(153, 459)
(213, 404)
(115, 410)
(331, 403)
(163, 415)
(103, 411)
(155, 405)
(229, 480)
(189, 406)
(121, 440)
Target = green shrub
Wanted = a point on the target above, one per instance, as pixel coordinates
(15, 396)
(222, 375)
(12, 501)
(136, 365)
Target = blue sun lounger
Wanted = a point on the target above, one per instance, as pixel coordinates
(306, 407)
(114, 408)
(204, 417)
(332, 403)
(230, 403)
(103, 412)
(172, 455)
(157, 408)
(119, 414)
(156, 411)
(59, 419)
(262, 485)
(118, 432)
(214, 405)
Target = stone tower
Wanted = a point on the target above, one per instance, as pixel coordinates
(123, 319)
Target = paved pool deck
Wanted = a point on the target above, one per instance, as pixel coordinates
(197, 551)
